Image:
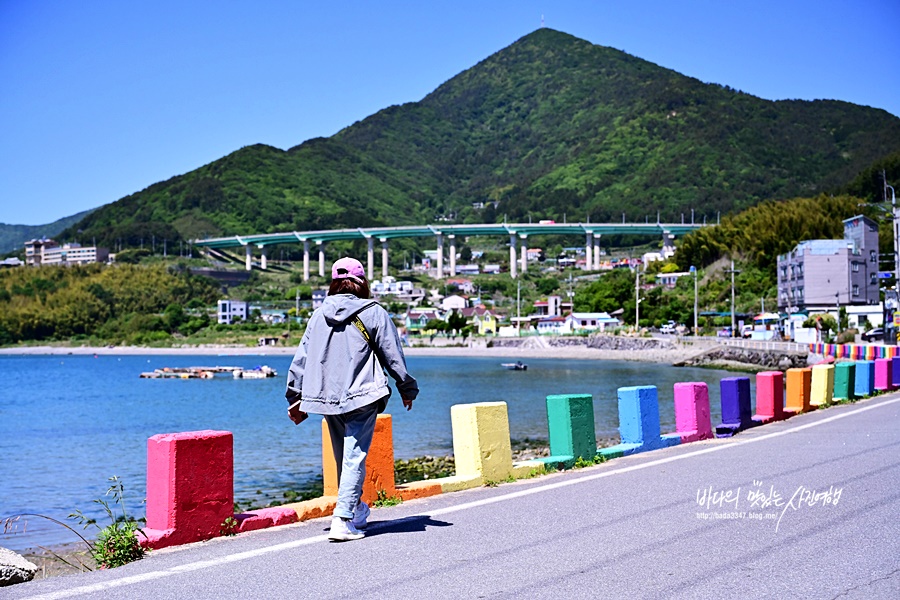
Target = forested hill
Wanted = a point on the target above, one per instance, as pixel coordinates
(549, 126)
(13, 236)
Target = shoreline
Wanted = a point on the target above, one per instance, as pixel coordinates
(566, 352)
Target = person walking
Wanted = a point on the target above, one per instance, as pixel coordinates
(338, 372)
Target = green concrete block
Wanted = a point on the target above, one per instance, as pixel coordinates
(844, 381)
(570, 418)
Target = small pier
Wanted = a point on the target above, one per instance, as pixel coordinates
(261, 372)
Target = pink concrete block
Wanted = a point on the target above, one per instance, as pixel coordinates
(692, 420)
(883, 374)
(265, 517)
(770, 397)
(190, 486)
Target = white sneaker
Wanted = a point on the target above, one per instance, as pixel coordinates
(360, 515)
(343, 531)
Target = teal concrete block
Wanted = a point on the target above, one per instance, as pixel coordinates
(844, 380)
(865, 378)
(570, 418)
(639, 423)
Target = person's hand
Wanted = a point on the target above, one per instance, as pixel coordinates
(296, 415)
(407, 402)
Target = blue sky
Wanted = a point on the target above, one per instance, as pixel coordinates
(99, 99)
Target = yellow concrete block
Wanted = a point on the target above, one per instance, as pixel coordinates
(822, 392)
(481, 440)
(526, 467)
(458, 483)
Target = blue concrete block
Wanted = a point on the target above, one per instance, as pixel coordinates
(736, 411)
(639, 423)
(865, 378)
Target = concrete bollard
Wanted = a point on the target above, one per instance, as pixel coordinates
(639, 423)
(799, 388)
(895, 372)
(883, 374)
(822, 392)
(735, 393)
(770, 397)
(481, 446)
(190, 487)
(692, 416)
(844, 381)
(570, 420)
(865, 378)
(379, 462)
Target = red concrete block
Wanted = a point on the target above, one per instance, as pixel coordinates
(265, 517)
(770, 397)
(190, 486)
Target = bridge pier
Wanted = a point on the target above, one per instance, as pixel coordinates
(305, 260)
(370, 257)
(589, 252)
(440, 256)
(248, 257)
(321, 259)
(596, 251)
(512, 255)
(384, 258)
(452, 239)
(263, 263)
(523, 251)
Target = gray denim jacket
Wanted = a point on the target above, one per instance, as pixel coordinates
(334, 369)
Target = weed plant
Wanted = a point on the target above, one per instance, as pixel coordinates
(117, 543)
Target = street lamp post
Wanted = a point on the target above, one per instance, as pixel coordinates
(694, 271)
(733, 322)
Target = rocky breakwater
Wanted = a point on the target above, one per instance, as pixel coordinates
(746, 359)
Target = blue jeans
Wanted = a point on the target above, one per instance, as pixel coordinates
(351, 435)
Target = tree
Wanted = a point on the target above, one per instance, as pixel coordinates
(456, 321)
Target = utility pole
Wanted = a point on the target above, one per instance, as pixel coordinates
(694, 271)
(637, 297)
(733, 322)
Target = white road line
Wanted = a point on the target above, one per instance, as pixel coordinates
(204, 564)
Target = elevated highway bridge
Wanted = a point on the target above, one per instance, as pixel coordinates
(518, 237)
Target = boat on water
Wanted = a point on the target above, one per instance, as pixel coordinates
(257, 373)
(516, 366)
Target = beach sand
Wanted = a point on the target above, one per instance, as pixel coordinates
(669, 356)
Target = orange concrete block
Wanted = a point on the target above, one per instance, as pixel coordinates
(418, 489)
(379, 463)
(313, 509)
(799, 390)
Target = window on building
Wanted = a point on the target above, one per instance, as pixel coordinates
(873, 256)
(856, 290)
(873, 279)
(856, 267)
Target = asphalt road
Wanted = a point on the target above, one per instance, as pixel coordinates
(685, 522)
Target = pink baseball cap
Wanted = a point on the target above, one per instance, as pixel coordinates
(348, 268)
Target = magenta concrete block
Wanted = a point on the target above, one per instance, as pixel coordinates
(190, 486)
(265, 517)
(692, 420)
(770, 397)
(883, 374)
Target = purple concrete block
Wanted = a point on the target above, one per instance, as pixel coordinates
(692, 420)
(735, 406)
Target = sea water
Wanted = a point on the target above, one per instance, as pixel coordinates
(68, 423)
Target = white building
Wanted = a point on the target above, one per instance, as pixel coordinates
(578, 322)
(48, 252)
(230, 311)
(455, 301)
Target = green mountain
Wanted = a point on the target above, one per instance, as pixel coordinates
(549, 127)
(12, 237)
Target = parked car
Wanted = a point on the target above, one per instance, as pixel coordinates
(747, 331)
(667, 328)
(725, 332)
(873, 334)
